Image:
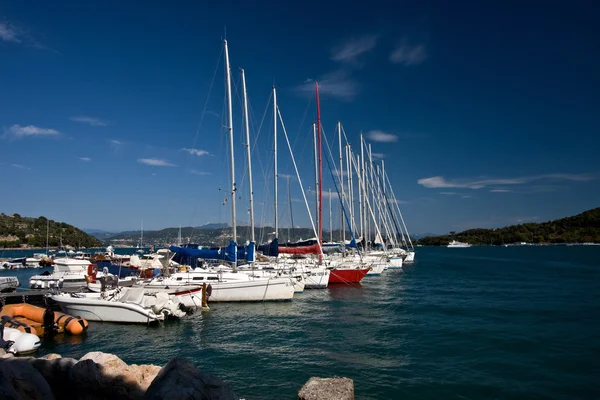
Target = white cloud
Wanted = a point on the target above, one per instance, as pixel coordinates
(378, 155)
(18, 166)
(196, 152)
(441, 182)
(8, 33)
(85, 159)
(500, 190)
(467, 197)
(408, 55)
(196, 172)
(19, 132)
(448, 193)
(352, 48)
(155, 162)
(380, 136)
(115, 142)
(89, 120)
(338, 84)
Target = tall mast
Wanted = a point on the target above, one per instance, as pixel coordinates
(230, 128)
(47, 233)
(275, 159)
(289, 193)
(363, 220)
(247, 125)
(330, 220)
(320, 170)
(142, 236)
(179, 236)
(342, 226)
(316, 172)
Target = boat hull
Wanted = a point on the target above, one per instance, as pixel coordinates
(377, 269)
(347, 275)
(105, 311)
(259, 290)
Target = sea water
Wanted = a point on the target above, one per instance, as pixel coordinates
(473, 323)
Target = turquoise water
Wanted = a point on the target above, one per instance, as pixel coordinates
(476, 323)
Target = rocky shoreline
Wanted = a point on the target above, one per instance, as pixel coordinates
(99, 375)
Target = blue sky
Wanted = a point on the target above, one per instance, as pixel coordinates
(485, 115)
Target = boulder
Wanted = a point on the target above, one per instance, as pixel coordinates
(144, 374)
(180, 379)
(56, 372)
(111, 364)
(19, 380)
(51, 356)
(327, 389)
(92, 381)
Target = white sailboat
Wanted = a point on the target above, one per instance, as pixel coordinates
(230, 286)
(457, 244)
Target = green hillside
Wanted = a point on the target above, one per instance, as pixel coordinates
(581, 228)
(17, 231)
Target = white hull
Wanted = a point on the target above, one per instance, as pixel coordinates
(396, 262)
(377, 269)
(410, 257)
(455, 244)
(69, 280)
(8, 283)
(106, 311)
(257, 290)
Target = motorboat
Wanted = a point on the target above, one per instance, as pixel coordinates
(457, 244)
(128, 305)
(8, 283)
(69, 272)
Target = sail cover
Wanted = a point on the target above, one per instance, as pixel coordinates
(311, 249)
(191, 256)
(270, 249)
(247, 252)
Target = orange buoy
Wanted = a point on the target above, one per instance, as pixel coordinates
(30, 319)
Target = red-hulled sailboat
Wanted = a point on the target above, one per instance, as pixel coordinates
(339, 274)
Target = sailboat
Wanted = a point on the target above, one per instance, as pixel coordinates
(227, 285)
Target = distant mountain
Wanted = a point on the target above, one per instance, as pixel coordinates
(581, 228)
(17, 231)
(99, 233)
(417, 236)
(213, 225)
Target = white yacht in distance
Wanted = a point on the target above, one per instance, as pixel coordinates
(455, 243)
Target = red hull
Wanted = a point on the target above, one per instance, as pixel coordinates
(347, 275)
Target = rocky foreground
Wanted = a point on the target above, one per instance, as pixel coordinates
(100, 375)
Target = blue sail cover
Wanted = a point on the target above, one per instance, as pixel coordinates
(270, 249)
(191, 256)
(247, 252)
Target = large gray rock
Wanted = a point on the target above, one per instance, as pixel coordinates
(56, 371)
(327, 389)
(180, 379)
(92, 381)
(19, 380)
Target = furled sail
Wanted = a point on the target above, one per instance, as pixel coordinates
(190, 256)
(270, 249)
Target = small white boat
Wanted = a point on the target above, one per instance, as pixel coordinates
(457, 244)
(8, 283)
(22, 342)
(410, 257)
(70, 272)
(129, 305)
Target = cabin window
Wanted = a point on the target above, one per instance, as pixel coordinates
(196, 278)
(179, 278)
(213, 278)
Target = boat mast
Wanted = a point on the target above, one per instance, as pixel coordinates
(289, 193)
(247, 125)
(179, 236)
(343, 227)
(330, 220)
(320, 171)
(142, 236)
(316, 172)
(47, 233)
(230, 128)
(275, 158)
(363, 220)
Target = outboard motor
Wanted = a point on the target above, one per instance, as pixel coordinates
(50, 328)
(4, 344)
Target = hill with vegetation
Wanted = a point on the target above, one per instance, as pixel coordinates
(208, 236)
(581, 228)
(17, 231)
